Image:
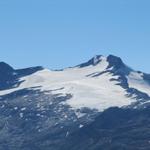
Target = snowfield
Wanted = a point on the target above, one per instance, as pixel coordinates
(98, 92)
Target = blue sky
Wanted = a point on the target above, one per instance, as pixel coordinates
(61, 33)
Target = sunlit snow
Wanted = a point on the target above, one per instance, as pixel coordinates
(93, 92)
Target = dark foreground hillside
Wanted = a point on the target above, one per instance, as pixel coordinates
(114, 129)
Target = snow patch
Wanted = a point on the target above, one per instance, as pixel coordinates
(135, 80)
(15, 108)
(23, 109)
(81, 126)
(21, 115)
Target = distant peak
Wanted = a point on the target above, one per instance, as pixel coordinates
(5, 67)
(93, 61)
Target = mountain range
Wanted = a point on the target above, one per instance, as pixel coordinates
(101, 104)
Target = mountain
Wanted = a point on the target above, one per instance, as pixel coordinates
(88, 106)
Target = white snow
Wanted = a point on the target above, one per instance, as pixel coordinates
(67, 134)
(15, 108)
(135, 80)
(81, 126)
(23, 109)
(38, 115)
(38, 105)
(2, 106)
(39, 130)
(21, 115)
(93, 92)
(79, 114)
(65, 116)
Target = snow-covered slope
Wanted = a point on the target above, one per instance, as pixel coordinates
(100, 83)
(135, 80)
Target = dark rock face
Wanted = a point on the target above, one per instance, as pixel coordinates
(114, 129)
(146, 77)
(117, 65)
(5, 68)
(115, 62)
(9, 76)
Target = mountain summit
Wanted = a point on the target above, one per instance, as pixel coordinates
(113, 61)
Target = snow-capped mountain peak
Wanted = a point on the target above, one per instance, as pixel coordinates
(99, 83)
(38, 100)
(113, 62)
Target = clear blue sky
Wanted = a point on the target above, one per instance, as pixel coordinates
(61, 33)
